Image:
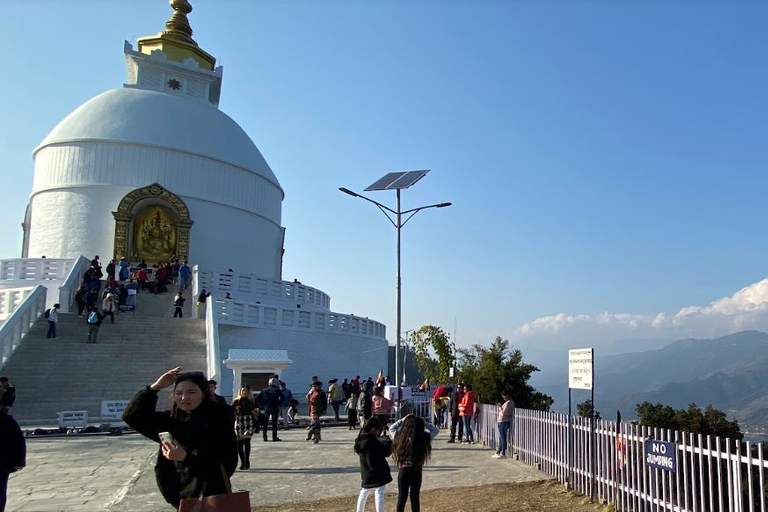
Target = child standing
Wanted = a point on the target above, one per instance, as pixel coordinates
(412, 448)
(352, 411)
(374, 468)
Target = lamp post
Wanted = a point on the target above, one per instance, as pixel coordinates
(398, 223)
(406, 346)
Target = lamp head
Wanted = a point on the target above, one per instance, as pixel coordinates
(443, 205)
(347, 191)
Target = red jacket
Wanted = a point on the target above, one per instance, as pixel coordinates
(467, 404)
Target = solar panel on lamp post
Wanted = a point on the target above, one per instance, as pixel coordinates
(397, 181)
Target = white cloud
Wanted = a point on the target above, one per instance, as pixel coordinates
(746, 309)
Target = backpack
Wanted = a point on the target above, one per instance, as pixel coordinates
(48, 313)
(93, 318)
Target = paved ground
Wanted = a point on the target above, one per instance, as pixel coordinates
(115, 473)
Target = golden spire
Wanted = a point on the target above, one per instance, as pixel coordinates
(178, 25)
(176, 40)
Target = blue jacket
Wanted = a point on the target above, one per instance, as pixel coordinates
(287, 396)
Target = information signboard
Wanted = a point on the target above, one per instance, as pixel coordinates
(73, 418)
(580, 368)
(113, 409)
(660, 454)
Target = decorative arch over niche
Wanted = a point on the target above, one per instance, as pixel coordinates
(126, 211)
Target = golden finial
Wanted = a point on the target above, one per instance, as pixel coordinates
(178, 25)
(176, 40)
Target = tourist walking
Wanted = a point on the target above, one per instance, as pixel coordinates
(456, 420)
(411, 449)
(352, 412)
(178, 302)
(285, 405)
(269, 401)
(52, 315)
(108, 306)
(122, 273)
(467, 408)
(245, 415)
(336, 396)
(93, 320)
(373, 449)
(185, 275)
(365, 403)
(318, 404)
(13, 456)
(201, 298)
(504, 422)
(80, 299)
(203, 440)
(111, 270)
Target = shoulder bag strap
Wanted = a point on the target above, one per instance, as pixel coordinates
(227, 482)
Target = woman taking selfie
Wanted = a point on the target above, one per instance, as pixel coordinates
(202, 438)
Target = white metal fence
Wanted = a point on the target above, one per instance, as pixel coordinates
(712, 474)
(19, 322)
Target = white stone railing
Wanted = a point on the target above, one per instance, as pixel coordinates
(72, 282)
(253, 288)
(246, 314)
(212, 340)
(18, 323)
(11, 299)
(35, 269)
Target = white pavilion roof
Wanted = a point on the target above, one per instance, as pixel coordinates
(257, 354)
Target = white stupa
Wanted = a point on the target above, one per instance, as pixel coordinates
(155, 169)
(159, 149)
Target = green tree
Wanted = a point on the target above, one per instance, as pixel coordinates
(584, 409)
(432, 352)
(491, 370)
(711, 421)
(656, 415)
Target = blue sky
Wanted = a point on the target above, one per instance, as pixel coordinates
(606, 160)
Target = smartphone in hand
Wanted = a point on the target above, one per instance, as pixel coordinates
(166, 439)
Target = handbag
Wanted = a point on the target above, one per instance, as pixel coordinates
(230, 502)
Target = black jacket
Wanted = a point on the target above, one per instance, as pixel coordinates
(373, 452)
(14, 452)
(367, 408)
(270, 397)
(207, 436)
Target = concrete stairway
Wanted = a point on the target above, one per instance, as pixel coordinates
(67, 374)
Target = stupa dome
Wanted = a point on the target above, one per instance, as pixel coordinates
(161, 120)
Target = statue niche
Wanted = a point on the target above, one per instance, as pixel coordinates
(152, 223)
(155, 234)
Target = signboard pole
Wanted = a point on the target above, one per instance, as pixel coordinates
(581, 369)
(592, 439)
(570, 443)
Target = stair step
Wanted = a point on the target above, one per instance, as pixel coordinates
(67, 374)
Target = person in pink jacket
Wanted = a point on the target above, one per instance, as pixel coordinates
(467, 408)
(504, 422)
(380, 406)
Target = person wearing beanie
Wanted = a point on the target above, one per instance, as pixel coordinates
(269, 401)
(203, 440)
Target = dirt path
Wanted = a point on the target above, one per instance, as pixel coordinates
(546, 496)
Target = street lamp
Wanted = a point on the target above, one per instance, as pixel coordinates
(397, 181)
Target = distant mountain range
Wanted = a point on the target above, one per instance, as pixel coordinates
(730, 372)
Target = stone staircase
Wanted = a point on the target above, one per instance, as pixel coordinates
(67, 374)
